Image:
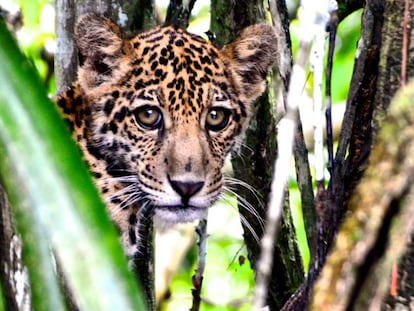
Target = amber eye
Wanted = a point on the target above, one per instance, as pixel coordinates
(217, 119)
(149, 117)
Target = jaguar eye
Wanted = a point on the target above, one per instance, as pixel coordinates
(149, 117)
(217, 118)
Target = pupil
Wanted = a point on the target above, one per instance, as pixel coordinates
(149, 113)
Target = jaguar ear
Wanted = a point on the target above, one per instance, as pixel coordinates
(250, 57)
(100, 48)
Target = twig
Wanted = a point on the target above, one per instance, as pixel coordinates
(328, 113)
(312, 14)
(300, 151)
(405, 43)
(284, 63)
(179, 12)
(316, 66)
(201, 263)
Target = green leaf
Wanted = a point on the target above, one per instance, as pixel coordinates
(1, 301)
(53, 198)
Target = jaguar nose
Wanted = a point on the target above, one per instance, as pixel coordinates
(186, 189)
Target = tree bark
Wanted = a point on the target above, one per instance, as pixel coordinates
(383, 60)
(378, 74)
(356, 135)
(379, 223)
(132, 16)
(396, 68)
(179, 12)
(253, 164)
(383, 64)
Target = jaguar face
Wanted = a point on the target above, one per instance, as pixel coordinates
(156, 115)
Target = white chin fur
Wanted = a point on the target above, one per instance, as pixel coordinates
(164, 218)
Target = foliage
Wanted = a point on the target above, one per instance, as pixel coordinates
(1, 302)
(51, 196)
(346, 43)
(36, 37)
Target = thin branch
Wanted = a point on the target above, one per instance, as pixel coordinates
(300, 151)
(304, 181)
(404, 47)
(354, 143)
(328, 97)
(316, 66)
(201, 263)
(179, 12)
(311, 16)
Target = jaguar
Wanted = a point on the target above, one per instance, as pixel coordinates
(156, 115)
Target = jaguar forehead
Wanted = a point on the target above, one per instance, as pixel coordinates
(182, 61)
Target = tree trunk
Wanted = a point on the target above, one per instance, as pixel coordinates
(356, 135)
(131, 15)
(253, 164)
(396, 68)
(381, 217)
(383, 65)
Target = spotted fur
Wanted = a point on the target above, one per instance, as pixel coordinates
(156, 115)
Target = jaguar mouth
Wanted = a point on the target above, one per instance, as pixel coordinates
(179, 207)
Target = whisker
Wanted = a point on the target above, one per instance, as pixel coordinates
(123, 191)
(121, 179)
(249, 227)
(146, 211)
(234, 181)
(241, 148)
(128, 195)
(130, 199)
(229, 182)
(144, 225)
(243, 203)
